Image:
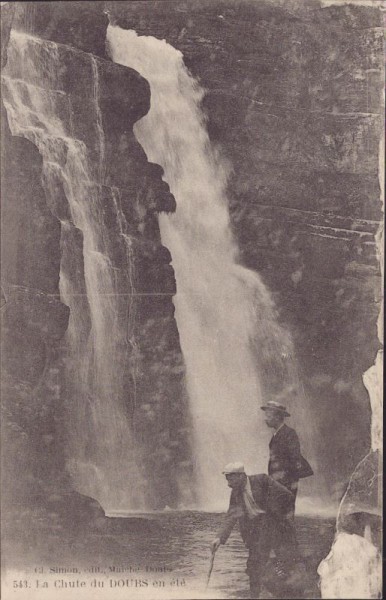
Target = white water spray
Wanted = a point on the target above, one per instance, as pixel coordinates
(224, 311)
(102, 455)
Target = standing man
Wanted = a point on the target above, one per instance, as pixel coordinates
(286, 464)
(262, 507)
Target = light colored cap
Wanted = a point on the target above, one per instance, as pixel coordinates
(272, 405)
(236, 467)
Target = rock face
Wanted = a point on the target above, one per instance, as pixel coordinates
(94, 104)
(294, 103)
(33, 322)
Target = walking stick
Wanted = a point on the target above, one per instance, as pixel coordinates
(210, 568)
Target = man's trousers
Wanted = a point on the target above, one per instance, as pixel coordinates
(266, 534)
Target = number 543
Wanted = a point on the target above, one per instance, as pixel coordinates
(21, 584)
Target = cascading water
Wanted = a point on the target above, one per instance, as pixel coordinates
(225, 314)
(102, 455)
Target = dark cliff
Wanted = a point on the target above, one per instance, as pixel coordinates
(294, 101)
(41, 244)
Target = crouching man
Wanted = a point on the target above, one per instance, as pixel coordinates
(263, 508)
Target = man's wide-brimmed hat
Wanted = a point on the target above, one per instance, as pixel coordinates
(272, 405)
(236, 467)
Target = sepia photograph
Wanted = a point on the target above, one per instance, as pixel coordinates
(192, 299)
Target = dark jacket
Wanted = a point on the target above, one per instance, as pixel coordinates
(271, 497)
(286, 464)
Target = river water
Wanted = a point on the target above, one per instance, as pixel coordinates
(181, 545)
(165, 547)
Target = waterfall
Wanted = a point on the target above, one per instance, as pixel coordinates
(226, 317)
(102, 455)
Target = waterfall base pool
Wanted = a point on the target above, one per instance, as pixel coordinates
(172, 548)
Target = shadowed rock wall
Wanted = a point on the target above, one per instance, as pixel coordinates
(35, 395)
(294, 102)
